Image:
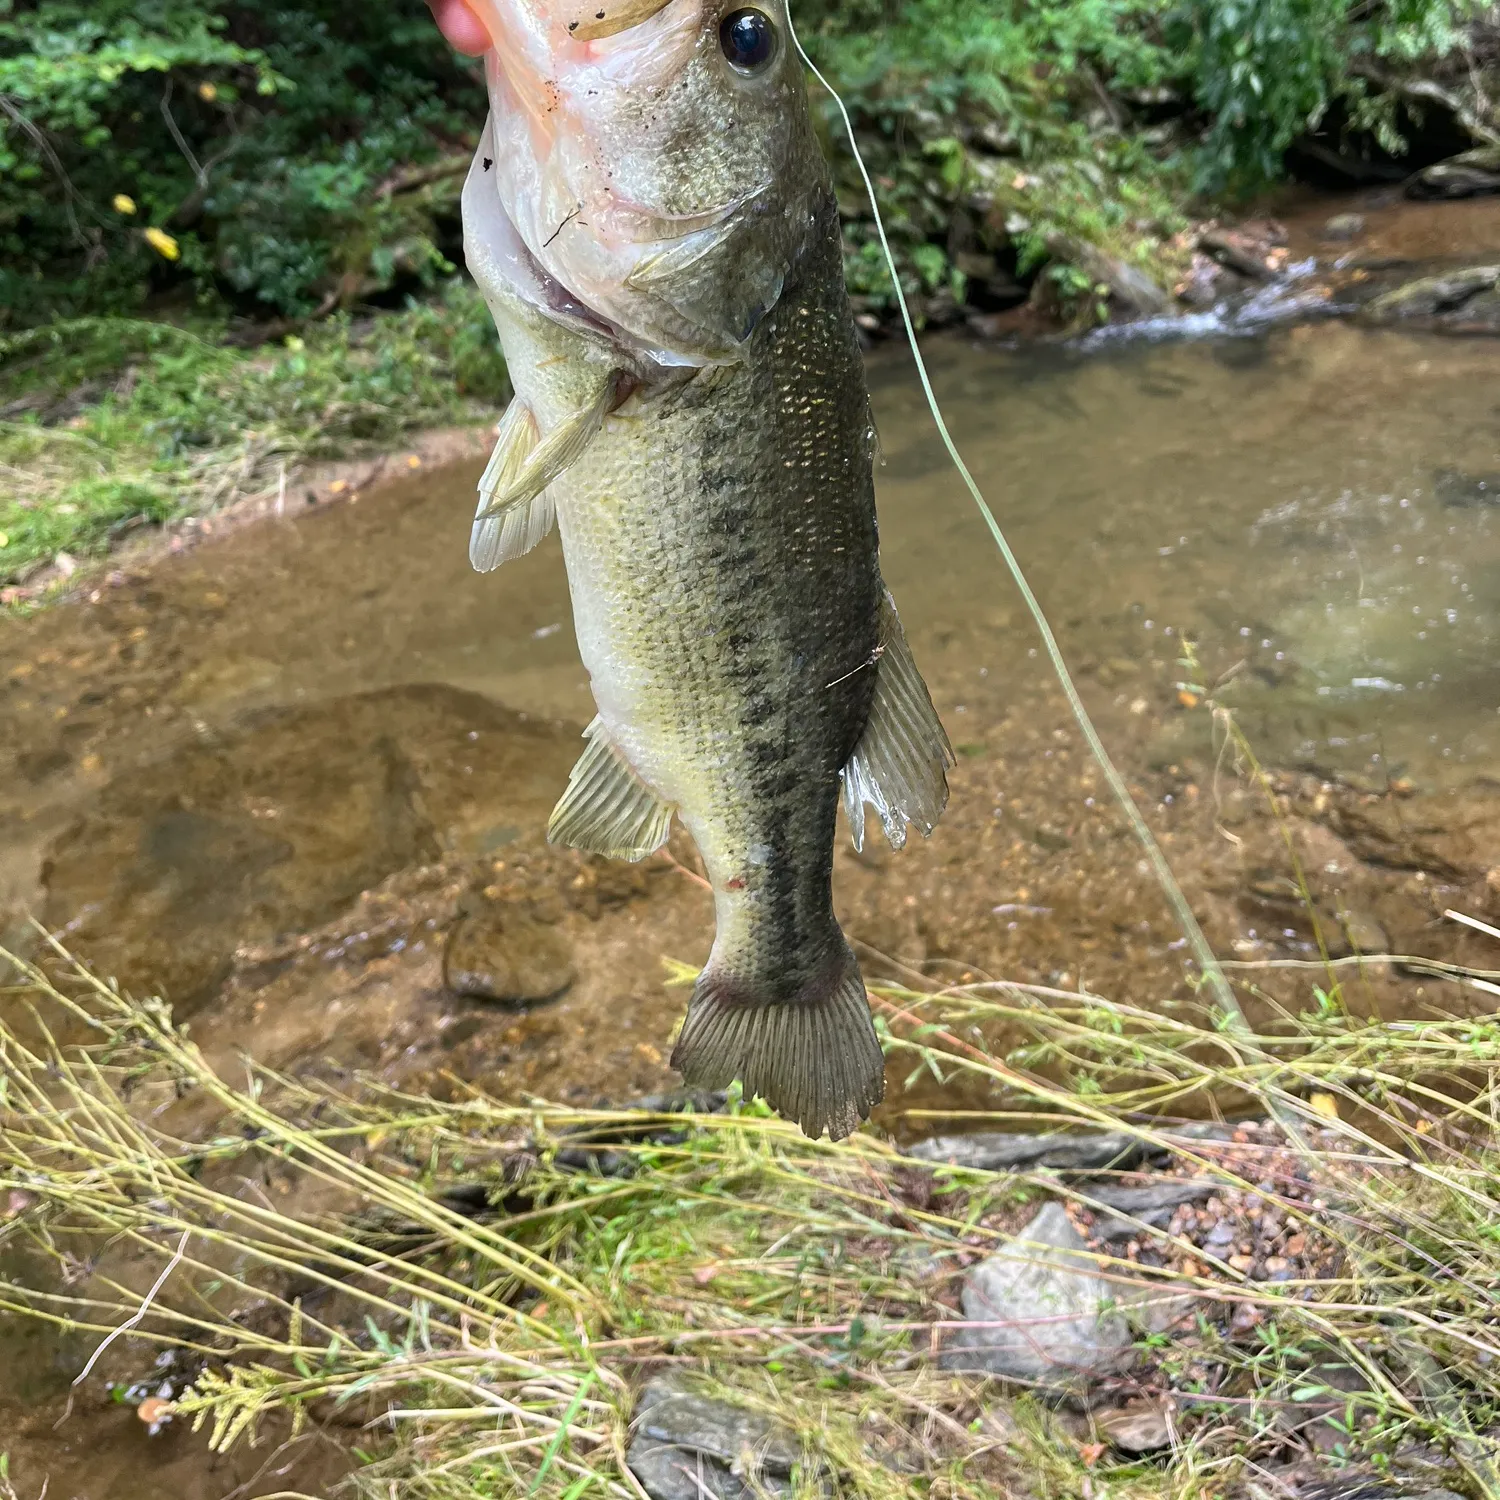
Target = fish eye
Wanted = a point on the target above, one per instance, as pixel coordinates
(748, 40)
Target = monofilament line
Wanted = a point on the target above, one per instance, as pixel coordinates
(1207, 963)
(129, 1323)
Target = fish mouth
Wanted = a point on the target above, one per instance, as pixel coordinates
(589, 229)
(652, 310)
(499, 256)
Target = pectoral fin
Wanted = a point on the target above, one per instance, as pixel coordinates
(607, 808)
(513, 532)
(524, 465)
(901, 763)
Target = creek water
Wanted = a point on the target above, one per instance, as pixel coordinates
(275, 775)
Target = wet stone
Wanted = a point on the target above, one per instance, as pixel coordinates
(1469, 175)
(1445, 300)
(1464, 491)
(504, 954)
(691, 1446)
(997, 1151)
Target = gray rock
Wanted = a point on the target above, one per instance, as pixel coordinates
(997, 1151)
(1151, 1204)
(1157, 1307)
(1479, 315)
(1432, 297)
(1466, 176)
(1241, 252)
(1312, 1479)
(1164, 1192)
(1344, 227)
(1056, 1319)
(690, 1446)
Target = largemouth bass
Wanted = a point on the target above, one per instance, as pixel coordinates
(653, 225)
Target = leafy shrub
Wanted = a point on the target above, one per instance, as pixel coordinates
(256, 138)
(1265, 71)
(272, 154)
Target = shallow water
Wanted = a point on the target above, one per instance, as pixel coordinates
(193, 791)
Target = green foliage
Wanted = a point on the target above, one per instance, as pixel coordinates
(280, 147)
(1008, 125)
(997, 127)
(260, 138)
(179, 421)
(1265, 71)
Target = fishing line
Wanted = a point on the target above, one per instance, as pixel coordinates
(1207, 963)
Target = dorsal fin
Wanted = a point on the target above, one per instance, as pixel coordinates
(607, 808)
(900, 765)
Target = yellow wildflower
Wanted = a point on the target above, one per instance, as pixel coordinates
(124, 204)
(163, 244)
(208, 92)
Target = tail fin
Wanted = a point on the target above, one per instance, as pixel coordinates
(815, 1058)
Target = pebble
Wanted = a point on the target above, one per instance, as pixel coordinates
(1344, 227)
(1141, 1427)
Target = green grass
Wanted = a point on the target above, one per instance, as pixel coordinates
(806, 1278)
(173, 422)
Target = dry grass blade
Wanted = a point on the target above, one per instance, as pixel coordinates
(334, 1274)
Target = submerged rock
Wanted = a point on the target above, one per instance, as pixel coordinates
(1343, 227)
(1462, 301)
(280, 823)
(504, 954)
(1464, 491)
(1242, 250)
(1468, 175)
(692, 1446)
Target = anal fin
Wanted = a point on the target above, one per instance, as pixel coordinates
(607, 808)
(900, 765)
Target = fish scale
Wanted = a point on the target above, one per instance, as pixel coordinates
(702, 435)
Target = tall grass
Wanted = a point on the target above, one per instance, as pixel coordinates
(487, 1284)
(171, 421)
